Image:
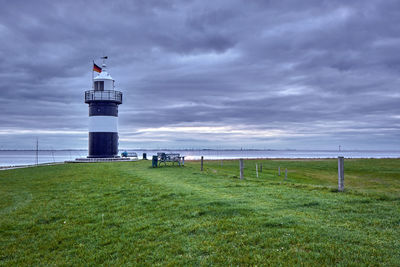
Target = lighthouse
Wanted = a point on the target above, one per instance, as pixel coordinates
(103, 103)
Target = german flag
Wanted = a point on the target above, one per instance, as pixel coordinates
(96, 68)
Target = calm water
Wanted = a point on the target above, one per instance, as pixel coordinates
(27, 157)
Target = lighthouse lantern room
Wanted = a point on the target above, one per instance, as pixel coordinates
(103, 103)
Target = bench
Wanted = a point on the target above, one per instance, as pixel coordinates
(127, 154)
(170, 157)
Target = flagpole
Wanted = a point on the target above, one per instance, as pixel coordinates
(92, 76)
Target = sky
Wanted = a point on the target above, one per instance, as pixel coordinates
(204, 74)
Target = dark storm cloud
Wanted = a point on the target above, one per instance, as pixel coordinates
(293, 72)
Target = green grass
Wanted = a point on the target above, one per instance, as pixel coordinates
(129, 213)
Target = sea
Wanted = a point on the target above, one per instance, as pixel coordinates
(30, 157)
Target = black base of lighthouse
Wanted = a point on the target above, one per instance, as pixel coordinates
(103, 145)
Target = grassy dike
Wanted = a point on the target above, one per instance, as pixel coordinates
(129, 213)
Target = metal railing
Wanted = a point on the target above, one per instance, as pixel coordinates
(106, 95)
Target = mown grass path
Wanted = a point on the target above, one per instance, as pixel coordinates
(129, 213)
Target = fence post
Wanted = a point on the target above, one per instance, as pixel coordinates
(257, 169)
(340, 174)
(241, 166)
(201, 166)
(285, 173)
(279, 171)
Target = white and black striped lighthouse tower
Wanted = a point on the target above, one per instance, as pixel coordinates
(103, 103)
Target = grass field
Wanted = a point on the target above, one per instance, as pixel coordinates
(129, 213)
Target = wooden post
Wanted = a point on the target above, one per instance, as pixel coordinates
(257, 170)
(201, 167)
(279, 171)
(241, 166)
(260, 167)
(285, 173)
(37, 151)
(340, 174)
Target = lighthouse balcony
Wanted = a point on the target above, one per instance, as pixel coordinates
(106, 95)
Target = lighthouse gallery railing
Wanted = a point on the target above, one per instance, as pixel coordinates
(106, 95)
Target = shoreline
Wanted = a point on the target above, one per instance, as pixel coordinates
(11, 167)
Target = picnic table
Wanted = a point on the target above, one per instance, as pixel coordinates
(170, 157)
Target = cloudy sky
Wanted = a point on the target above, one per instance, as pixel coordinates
(204, 74)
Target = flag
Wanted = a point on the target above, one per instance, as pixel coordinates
(96, 68)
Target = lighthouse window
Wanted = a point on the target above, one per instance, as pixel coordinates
(99, 86)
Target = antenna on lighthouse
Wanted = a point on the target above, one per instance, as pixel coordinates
(104, 60)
